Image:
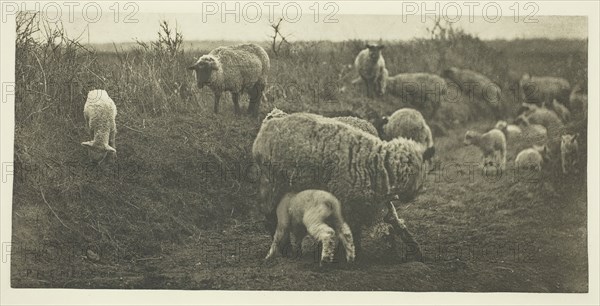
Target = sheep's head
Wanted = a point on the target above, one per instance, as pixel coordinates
(204, 68)
(501, 125)
(97, 152)
(374, 51)
(569, 142)
(471, 137)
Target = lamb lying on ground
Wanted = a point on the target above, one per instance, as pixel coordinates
(532, 158)
(320, 214)
(100, 112)
(492, 144)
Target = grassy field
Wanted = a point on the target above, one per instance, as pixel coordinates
(176, 210)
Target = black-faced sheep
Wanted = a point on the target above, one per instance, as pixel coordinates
(320, 214)
(237, 69)
(306, 151)
(569, 153)
(371, 65)
(409, 123)
(475, 84)
(492, 144)
(532, 158)
(100, 112)
(539, 90)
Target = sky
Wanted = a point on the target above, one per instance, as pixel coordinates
(357, 20)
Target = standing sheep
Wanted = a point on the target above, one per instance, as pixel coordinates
(423, 91)
(532, 158)
(475, 84)
(317, 212)
(410, 124)
(237, 69)
(569, 153)
(100, 112)
(371, 68)
(539, 90)
(492, 144)
(307, 151)
(561, 111)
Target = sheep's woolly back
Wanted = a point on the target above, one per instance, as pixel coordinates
(423, 83)
(548, 119)
(100, 112)
(528, 158)
(537, 89)
(410, 124)
(469, 80)
(359, 123)
(306, 151)
(493, 140)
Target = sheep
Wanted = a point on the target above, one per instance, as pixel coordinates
(423, 91)
(569, 153)
(561, 111)
(548, 119)
(370, 66)
(532, 158)
(318, 212)
(307, 151)
(475, 84)
(100, 112)
(539, 90)
(237, 69)
(359, 123)
(578, 101)
(492, 144)
(511, 131)
(533, 133)
(409, 123)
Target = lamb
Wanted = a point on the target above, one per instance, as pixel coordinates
(100, 112)
(370, 65)
(319, 213)
(511, 131)
(569, 153)
(532, 158)
(423, 91)
(237, 69)
(475, 84)
(539, 90)
(561, 111)
(359, 123)
(307, 151)
(409, 123)
(492, 144)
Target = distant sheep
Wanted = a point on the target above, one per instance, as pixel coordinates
(532, 158)
(237, 69)
(359, 123)
(569, 153)
(492, 145)
(548, 119)
(511, 131)
(423, 91)
(371, 65)
(319, 213)
(476, 84)
(561, 111)
(539, 90)
(410, 124)
(306, 151)
(578, 102)
(100, 112)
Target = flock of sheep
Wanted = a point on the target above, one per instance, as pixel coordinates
(330, 177)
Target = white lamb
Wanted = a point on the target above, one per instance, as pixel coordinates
(100, 112)
(371, 68)
(532, 158)
(318, 212)
(569, 153)
(492, 144)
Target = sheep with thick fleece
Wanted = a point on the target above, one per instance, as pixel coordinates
(492, 144)
(532, 158)
(307, 151)
(423, 91)
(533, 133)
(408, 123)
(548, 119)
(317, 212)
(475, 84)
(359, 123)
(237, 69)
(543, 89)
(569, 153)
(370, 66)
(100, 112)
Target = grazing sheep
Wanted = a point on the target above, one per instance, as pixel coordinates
(533, 133)
(307, 151)
(539, 90)
(492, 144)
(423, 91)
(561, 111)
(548, 119)
(532, 158)
(100, 112)
(371, 68)
(569, 153)
(476, 84)
(319, 213)
(578, 101)
(511, 131)
(359, 123)
(410, 124)
(237, 69)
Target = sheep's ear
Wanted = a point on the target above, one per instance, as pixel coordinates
(87, 144)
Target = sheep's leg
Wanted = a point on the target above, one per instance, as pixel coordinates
(235, 96)
(255, 94)
(280, 234)
(217, 99)
(345, 236)
(296, 238)
(111, 142)
(400, 228)
(326, 235)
